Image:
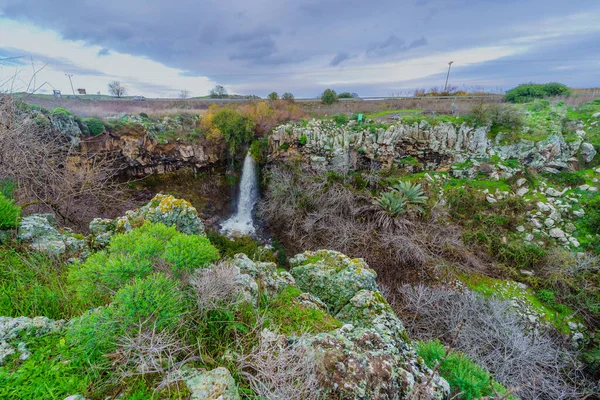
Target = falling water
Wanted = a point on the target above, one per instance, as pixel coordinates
(241, 222)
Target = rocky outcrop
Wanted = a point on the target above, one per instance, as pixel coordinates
(39, 230)
(12, 330)
(164, 209)
(433, 145)
(370, 357)
(142, 152)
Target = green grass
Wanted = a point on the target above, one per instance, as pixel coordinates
(391, 112)
(294, 319)
(557, 315)
(465, 376)
(33, 284)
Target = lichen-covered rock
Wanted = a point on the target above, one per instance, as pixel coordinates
(364, 363)
(217, 384)
(13, 328)
(39, 231)
(370, 309)
(588, 152)
(164, 209)
(332, 276)
(265, 272)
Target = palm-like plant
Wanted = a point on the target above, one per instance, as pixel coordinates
(391, 203)
(413, 194)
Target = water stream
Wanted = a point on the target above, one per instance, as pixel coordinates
(241, 223)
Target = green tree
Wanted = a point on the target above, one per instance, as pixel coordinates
(273, 96)
(236, 128)
(345, 95)
(329, 96)
(288, 96)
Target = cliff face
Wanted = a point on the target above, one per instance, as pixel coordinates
(141, 155)
(434, 146)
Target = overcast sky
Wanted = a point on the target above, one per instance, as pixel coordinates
(157, 48)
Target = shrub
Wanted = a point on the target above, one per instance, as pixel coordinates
(63, 112)
(329, 96)
(10, 213)
(413, 194)
(463, 374)
(340, 119)
(135, 255)
(7, 187)
(345, 95)
(565, 178)
(273, 96)
(278, 370)
(155, 300)
(95, 126)
(187, 252)
(259, 150)
(531, 91)
(235, 128)
(490, 332)
(391, 203)
(302, 140)
(245, 244)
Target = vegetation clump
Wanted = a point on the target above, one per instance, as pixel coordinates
(10, 213)
(329, 96)
(530, 91)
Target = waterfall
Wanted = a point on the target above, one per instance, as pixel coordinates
(241, 222)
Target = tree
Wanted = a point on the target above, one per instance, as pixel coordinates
(273, 96)
(218, 92)
(288, 96)
(116, 88)
(345, 95)
(329, 96)
(184, 94)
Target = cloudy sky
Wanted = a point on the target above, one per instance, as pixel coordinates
(378, 47)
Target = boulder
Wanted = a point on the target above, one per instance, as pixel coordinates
(332, 276)
(39, 231)
(557, 233)
(272, 280)
(164, 209)
(217, 384)
(588, 152)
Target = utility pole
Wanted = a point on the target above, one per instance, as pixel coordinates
(447, 76)
(69, 76)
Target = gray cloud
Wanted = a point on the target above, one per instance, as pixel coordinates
(24, 58)
(339, 58)
(103, 52)
(253, 40)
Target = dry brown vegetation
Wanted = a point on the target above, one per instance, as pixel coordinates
(310, 211)
(50, 172)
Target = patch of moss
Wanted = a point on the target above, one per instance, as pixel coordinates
(293, 318)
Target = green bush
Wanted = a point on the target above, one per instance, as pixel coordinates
(259, 149)
(288, 96)
(302, 140)
(10, 213)
(155, 301)
(530, 91)
(329, 96)
(186, 252)
(63, 112)
(245, 244)
(463, 374)
(345, 95)
(273, 96)
(565, 178)
(236, 128)
(95, 126)
(340, 119)
(137, 254)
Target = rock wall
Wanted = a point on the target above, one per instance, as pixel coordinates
(433, 145)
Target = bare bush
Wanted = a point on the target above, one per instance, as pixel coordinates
(279, 371)
(216, 287)
(149, 351)
(51, 172)
(492, 333)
